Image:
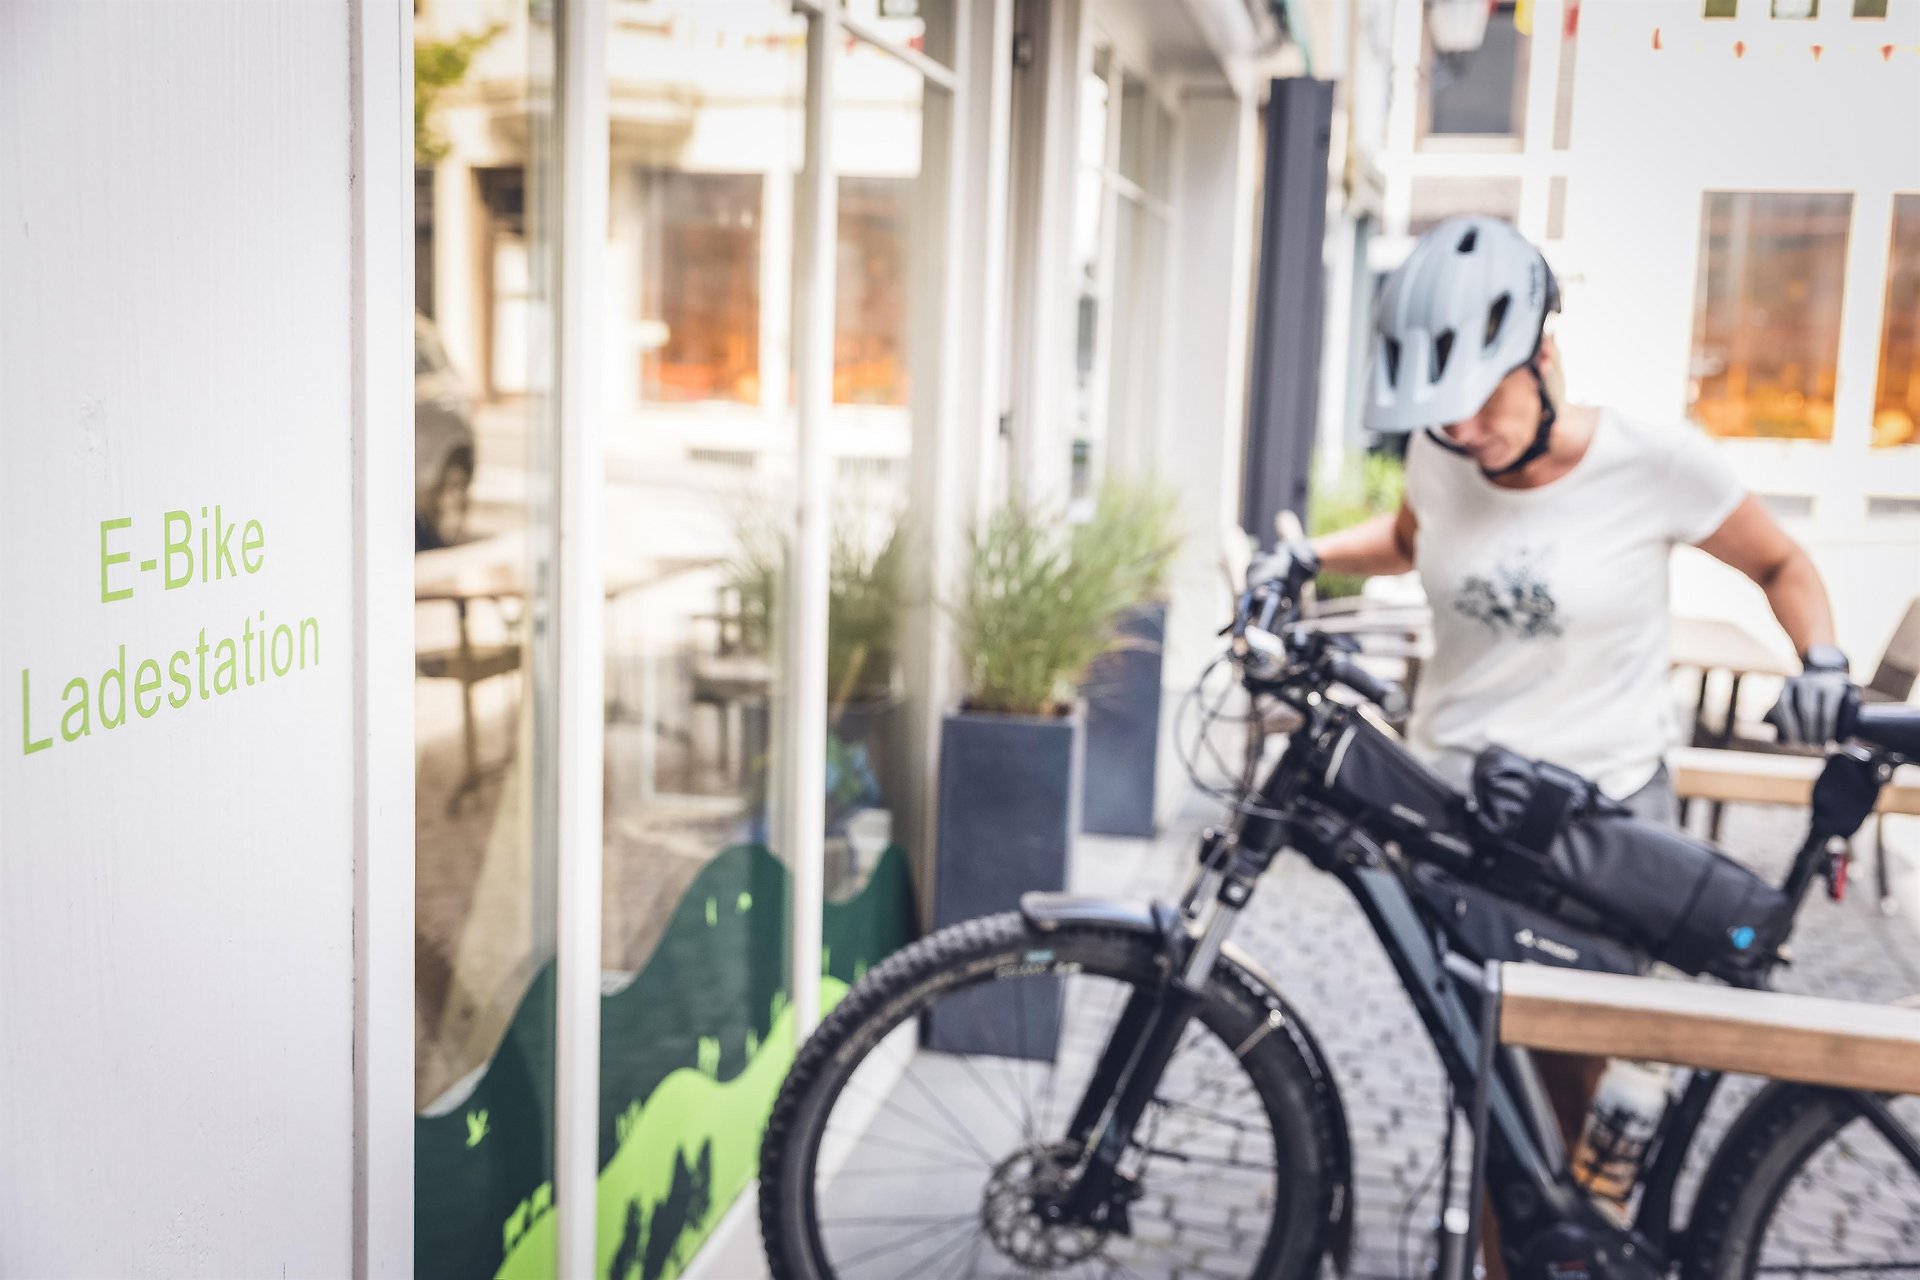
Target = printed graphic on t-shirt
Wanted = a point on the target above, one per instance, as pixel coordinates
(1515, 600)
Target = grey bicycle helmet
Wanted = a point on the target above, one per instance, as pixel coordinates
(1467, 307)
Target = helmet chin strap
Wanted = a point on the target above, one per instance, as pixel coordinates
(1542, 438)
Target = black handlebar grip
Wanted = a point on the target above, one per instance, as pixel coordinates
(1387, 695)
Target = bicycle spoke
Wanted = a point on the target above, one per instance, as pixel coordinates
(911, 1078)
(962, 1256)
(1853, 1206)
(1843, 1269)
(888, 1104)
(917, 1237)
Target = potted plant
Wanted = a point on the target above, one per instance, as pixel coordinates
(1133, 528)
(1037, 605)
(863, 610)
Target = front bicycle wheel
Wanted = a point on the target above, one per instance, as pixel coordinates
(1807, 1184)
(929, 1115)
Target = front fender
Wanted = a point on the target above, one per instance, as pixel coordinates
(1047, 912)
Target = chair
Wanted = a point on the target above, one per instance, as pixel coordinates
(728, 675)
(1899, 668)
(468, 664)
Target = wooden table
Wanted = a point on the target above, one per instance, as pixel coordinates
(496, 569)
(1837, 1043)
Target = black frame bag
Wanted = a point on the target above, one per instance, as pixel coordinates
(1550, 835)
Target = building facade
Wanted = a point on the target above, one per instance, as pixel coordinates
(504, 901)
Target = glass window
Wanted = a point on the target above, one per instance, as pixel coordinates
(706, 103)
(870, 324)
(905, 22)
(1092, 270)
(885, 337)
(1766, 313)
(1796, 9)
(1137, 132)
(483, 715)
(1869, 8)
(1721, 9)
(1481, 92)
(1896, 402)
(700, 286)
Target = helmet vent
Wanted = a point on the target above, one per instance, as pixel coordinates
(1442, 348)
(1393, 361)
(1468, 240)
(1496, 317)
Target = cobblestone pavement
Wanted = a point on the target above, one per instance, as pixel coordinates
(1306, 930)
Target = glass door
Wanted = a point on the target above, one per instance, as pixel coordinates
(483, 705)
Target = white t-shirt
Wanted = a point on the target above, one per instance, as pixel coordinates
(1550, 604)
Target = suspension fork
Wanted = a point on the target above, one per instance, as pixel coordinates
(1142, 1044)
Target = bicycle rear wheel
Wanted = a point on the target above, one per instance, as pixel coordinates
(1807, 1185)
(932, 1109)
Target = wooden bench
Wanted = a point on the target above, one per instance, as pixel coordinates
(1838, 1043)
(1752, 777)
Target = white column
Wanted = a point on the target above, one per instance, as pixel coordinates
(807, 591)
(1336, 335)
(777, 232)
(1047, 289)
(1207, 322)
(1841, 502)
(456, 302)
(1543, 78)
(1403, 113)
(383, 763)
(957, 377)
(579, 628)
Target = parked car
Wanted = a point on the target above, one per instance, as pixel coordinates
(442, 443)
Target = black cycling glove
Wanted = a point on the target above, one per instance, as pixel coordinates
(1810, 706)
(1288, 567)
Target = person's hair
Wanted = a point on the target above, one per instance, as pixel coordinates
(1553, 376)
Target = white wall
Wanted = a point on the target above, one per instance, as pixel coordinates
(1697, 118)
(176, 892)
(1654, 128)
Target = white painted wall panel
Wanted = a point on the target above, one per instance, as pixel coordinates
(176, 912)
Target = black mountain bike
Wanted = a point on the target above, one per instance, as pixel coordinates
(1088, 1087)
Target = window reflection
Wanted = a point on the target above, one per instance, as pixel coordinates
(1483, 91)
(1766, 317)
(870, 311)
(700, 286)
(484, 924)
(706, 102)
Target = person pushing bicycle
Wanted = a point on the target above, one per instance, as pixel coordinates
(1541, 531)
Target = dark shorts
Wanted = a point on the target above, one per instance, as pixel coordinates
(1654, 802)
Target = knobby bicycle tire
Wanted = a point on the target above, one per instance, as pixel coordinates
(1235, 1012)
(1778, 1199)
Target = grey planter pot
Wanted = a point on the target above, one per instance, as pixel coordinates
(1009, 808)
(1122, 693)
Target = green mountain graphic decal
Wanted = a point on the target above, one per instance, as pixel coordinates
(693, 1052)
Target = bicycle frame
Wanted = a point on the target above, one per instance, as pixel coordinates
(1518, 1146)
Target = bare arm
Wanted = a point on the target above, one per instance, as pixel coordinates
(1753, 542)
(1383, 544)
